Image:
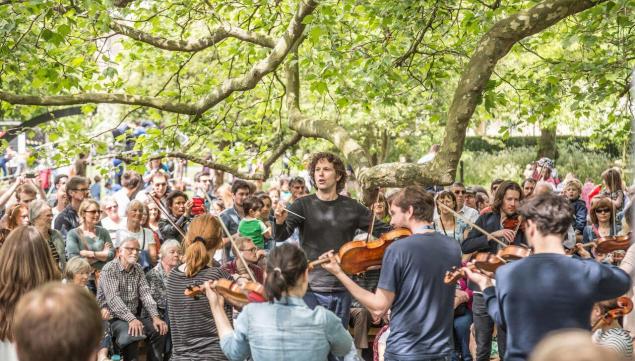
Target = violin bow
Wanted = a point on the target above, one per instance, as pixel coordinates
(167, 216)
(240, 255)
(372, 222)
(489, 235)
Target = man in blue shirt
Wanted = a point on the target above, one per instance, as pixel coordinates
(411, 283)
(548, 290)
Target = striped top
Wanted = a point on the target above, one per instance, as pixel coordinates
(616, 339)
(194, 335)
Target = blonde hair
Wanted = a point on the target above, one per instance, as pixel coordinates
(25, 263)
(573, 183)
(203, 235)
(84, 205)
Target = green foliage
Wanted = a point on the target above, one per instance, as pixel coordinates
(480, 168)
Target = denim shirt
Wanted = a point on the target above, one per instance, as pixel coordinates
(286, 330)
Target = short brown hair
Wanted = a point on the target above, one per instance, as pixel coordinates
(61, 321)
(448, 194)
(422, 202)
(551, 213)
(338, 165)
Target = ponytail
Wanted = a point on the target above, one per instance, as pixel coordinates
(285, 266)
(203, 236)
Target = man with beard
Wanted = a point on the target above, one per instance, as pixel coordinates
(121, 287)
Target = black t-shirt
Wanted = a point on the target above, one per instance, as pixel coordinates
(422, 313)
(328, 225)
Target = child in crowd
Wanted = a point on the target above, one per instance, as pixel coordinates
(572, 190)
(608, 332)
(251, 226)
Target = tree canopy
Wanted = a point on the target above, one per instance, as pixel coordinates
(246, 80)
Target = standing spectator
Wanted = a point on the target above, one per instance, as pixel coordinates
(59, 181)
(25, 263)
(40, 215)
(76, 190)
(231, 216)
(158, 189)
(133, 229)
(43, 326)
(528, 186)
(614, 189)
(251, 226)
(80, 165)
(113, 222)
(122, 287)
(131, 183)
(61, 201)
(95, 188)
(90, 240)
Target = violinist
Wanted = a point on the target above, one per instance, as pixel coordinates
(603, 222)
(285, 328)
(326, 220)
(411, 276)
(608, 332)
(194, 333)
(546, 291)
(506, 201)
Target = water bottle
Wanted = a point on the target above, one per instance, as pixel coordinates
(116, 358)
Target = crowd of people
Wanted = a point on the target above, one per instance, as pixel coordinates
(89, 272)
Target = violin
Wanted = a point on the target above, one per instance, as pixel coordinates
(361, 256)
(613, 243)
(624, 307)
(514, 222)
(236, 293)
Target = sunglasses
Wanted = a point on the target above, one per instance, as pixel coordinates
(459, 192)
(603, 210)
(97, 211)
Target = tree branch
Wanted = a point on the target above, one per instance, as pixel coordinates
(492, 47)
(278, 152)
(217, 35)
(40, 119)
(245, 82)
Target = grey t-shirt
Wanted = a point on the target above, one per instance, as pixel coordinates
(422, 312)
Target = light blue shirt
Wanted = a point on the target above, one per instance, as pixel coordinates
(286, 330)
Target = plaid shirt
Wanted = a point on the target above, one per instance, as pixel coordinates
(120, 291)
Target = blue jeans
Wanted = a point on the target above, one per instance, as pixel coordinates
(337, 302)
(462, 337)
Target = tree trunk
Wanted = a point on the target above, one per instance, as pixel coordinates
(547, 143)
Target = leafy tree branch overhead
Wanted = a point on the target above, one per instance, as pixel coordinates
(374, 80)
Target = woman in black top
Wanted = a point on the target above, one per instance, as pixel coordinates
(180, 212)
(194, 334)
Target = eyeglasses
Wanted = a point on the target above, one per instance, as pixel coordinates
(132, 250)
(160, 184)
(81, 190)
(603, 210)
(457, 192)
(251, 250)
(206, 181)
(96, 211)
(113, 207)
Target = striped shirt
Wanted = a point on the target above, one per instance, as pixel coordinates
(616, 339)
(194, 334)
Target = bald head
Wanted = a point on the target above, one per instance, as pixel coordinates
(61, 321)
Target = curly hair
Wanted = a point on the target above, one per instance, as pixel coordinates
(338, 165)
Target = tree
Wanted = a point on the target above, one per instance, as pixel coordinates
(362, 70)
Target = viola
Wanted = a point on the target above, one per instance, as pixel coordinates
(236, 293)
(361, 256)
(624, 307)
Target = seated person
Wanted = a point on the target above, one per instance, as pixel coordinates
(121, 287)
(608, 332)
(252, 255)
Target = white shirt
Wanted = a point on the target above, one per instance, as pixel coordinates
(121, 196)
(112, 227)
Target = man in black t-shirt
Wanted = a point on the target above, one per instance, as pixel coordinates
(411, 283)
(326, 220)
